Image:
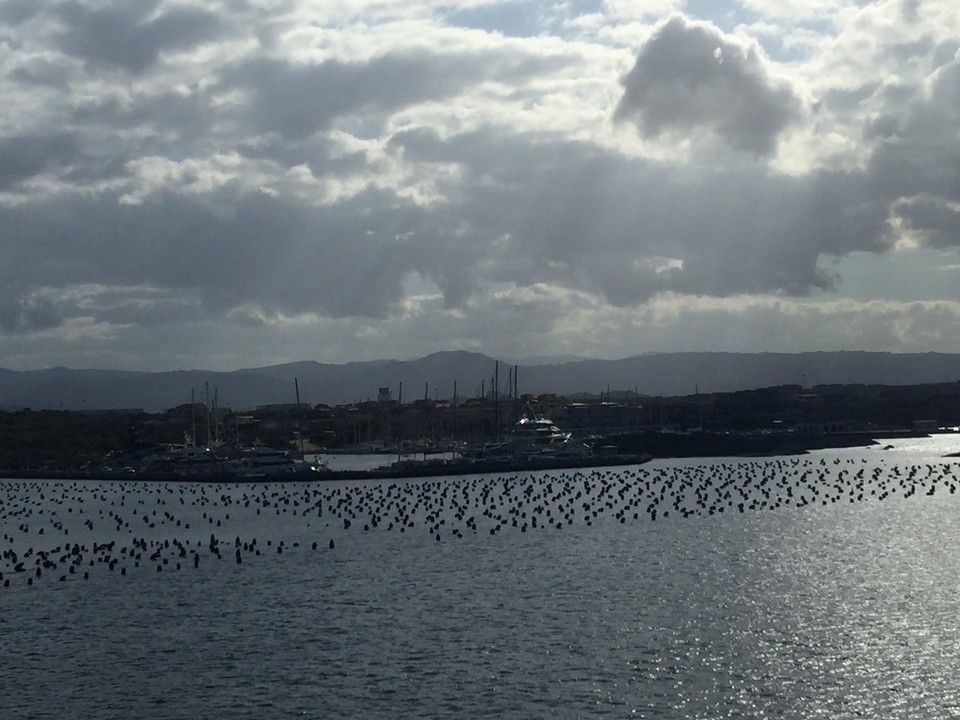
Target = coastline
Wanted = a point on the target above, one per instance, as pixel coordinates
(407, 469)
(631, 450)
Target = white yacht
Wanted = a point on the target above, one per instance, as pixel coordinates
(538, 435)
(533, 437)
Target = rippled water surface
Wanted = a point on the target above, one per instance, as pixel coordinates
(843, 604)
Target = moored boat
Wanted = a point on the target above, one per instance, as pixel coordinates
(532, 437)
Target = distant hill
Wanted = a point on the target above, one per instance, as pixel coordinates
(665, 374)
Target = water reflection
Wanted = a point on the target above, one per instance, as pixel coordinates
(842, 604)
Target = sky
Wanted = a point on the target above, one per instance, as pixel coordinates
(237, 183)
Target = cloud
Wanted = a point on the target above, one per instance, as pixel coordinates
(16, 12)
(566, 322)
(629, 228)
(516, 213)
(132, 36)
(296, 100)
(374, 180)
(248, 248)
(690, 77)
(916, 162)
(26, 312)
(24, 156)
(936, 219)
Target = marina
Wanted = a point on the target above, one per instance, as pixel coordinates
(535, 443)
(307, 472)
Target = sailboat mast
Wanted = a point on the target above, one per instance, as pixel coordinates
(496, 397)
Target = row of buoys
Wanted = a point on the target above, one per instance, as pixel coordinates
(449, 507)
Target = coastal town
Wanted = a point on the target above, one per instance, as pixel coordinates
(780, 419)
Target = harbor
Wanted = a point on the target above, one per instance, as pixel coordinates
(495, 433)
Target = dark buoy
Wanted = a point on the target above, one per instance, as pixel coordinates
(331, 544)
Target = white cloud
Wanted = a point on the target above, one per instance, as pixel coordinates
(798, 10)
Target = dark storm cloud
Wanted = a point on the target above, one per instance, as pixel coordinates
(629, 228)
(24, 156)
(494, 207)
(42, 72)
(21, 312)
(187, 115)
(130, 36)
(935, 218)
(16, 12)
(297, 100)
(690, 77)
(916, 165)
(231, 247)
(346, 260)
(166, 124)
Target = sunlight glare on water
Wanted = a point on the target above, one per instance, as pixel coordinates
(819, 586)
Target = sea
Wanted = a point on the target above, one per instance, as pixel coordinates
(814, 586)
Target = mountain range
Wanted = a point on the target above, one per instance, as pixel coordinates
(437, 375)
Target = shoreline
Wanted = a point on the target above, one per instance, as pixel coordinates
(409, 469)
(633, 450)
